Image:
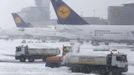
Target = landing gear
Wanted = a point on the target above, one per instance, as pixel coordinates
(106, 43)
(94, 43)
(129, 43)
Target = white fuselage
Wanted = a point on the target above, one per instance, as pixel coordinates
(124, 33)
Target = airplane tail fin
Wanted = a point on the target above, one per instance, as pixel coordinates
(19, 21)
(65, 14)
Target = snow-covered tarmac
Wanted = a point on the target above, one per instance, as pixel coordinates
(10, 66)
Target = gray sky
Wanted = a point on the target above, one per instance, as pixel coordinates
(83, 7)
(9, 6)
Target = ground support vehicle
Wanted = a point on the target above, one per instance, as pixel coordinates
(25, 52)
(113, 63)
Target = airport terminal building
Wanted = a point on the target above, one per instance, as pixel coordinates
(121, 15)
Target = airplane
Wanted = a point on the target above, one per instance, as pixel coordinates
(25, 32)
(60, 31)
(20, 22)
(68, 24)
(97, 33)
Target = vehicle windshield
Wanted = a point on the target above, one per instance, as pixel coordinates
(122, 58)
(18, 49)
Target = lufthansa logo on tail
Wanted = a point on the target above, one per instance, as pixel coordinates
(63, 12)
(17, 20)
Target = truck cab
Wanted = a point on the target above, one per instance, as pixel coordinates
(119, 61)
(20, 52)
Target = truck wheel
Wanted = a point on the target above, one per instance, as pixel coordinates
(85, 70)
(44, 59)
(49, 64)
(22, 59)
(52, 65)
(75, 69)
(102, 71)
(116, 72)
(31, 59)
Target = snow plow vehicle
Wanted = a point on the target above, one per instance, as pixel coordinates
(55, 61)
(31, 53)
(113, 63)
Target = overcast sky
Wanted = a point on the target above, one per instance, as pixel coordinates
(83, 7)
